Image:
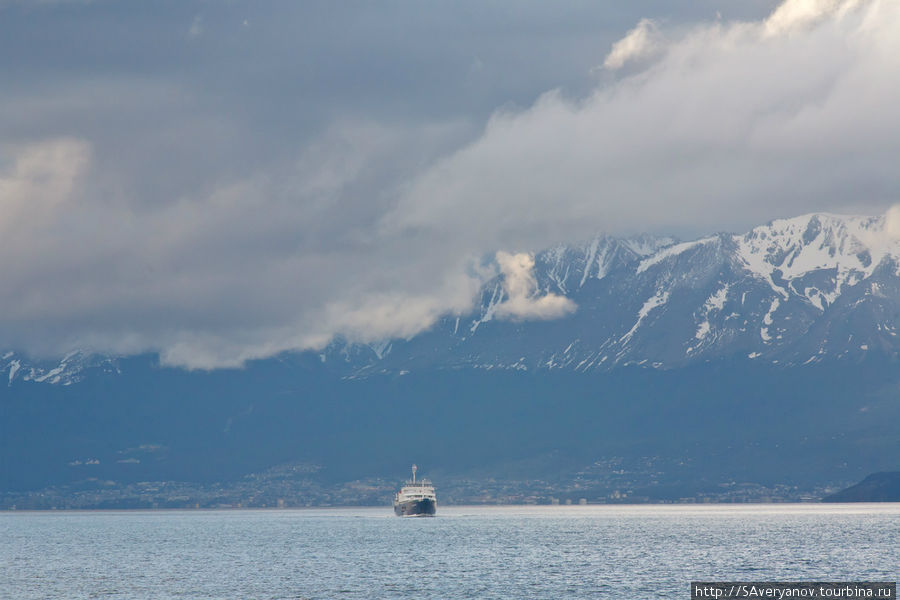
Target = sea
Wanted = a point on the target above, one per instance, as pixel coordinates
(627, 552)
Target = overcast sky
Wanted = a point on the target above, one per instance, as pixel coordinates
(219, 181)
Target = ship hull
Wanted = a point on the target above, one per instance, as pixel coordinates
(415, 508)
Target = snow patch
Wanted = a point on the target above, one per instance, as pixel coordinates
(645, 245)
(589, 260)
(653, 302)
(767, 320)
(496, 298)
(558, 256)
(702, 331)
(671, 251)
(716, 302)
(381, 349)
(852, 247)
(14, 367)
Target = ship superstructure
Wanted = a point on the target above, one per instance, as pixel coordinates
(416, 498)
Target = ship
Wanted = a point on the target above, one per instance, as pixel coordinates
(416, 498)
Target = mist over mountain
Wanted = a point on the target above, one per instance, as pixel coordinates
(766, 358)
(795, 291)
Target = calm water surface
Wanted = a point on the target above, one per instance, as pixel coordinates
(465, 552)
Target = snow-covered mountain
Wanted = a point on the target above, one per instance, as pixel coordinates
(794, 291)
(790, 292)
(71, 368)
(706, 325)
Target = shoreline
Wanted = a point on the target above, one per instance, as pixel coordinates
(842, 507)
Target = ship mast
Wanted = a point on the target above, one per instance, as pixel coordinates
(414, 473)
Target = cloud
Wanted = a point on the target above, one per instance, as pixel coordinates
(730, 126)
(892, 222)
(40, 178)
(196, 28)
(640, 43)
(795, 15)
(521, 287)
(281, 260)
(165, 214)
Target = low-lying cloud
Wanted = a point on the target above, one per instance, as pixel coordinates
(522, 301)
(378, 230)
(892, 222)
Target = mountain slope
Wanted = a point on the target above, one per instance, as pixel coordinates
(794, 291)
(878, 487)
(648, 433)
(689, 369)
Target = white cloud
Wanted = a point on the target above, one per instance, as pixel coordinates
(40, 177)
(640, 43)
(793, 15)
(892, 222)
(729, 127)
(249, 269)
(522, 302)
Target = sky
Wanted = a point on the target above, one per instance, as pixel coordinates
(223, 181)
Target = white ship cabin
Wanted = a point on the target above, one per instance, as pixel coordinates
(416, 490)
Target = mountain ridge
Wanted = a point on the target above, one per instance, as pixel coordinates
(689, 369)
(809, 288)
(783, 293)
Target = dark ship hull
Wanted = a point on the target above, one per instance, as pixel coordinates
(416, 508)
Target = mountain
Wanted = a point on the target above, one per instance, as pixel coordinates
(733, 367)
(725, 431)
(878, 487)
(795, 291)
(71, 368)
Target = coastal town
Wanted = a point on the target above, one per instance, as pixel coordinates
(298, 485)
